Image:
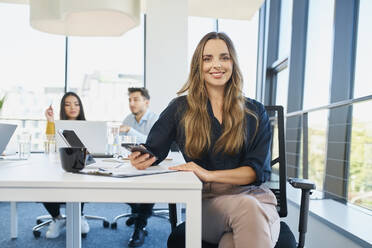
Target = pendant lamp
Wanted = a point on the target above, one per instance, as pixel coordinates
(85, 17)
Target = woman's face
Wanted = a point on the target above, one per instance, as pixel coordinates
(72, 107)
(217, 63)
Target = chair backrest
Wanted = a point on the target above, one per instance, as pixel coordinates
(278, 180)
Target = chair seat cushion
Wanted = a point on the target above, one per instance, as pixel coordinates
(286, 238)
(177, 238)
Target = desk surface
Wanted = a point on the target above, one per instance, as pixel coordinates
(42, 179)
(45, 172)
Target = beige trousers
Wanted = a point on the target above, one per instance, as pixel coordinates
(239, 216)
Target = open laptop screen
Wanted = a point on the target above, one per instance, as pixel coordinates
(6, 132)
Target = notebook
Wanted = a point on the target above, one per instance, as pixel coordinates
(6, 131)
(93, 134)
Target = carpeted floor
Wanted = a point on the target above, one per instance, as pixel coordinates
(98, 236)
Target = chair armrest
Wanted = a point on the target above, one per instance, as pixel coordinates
(300, 183)
(306, 186)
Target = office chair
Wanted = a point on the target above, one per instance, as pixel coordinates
(169, 214)
(277, 184)
(44, 220)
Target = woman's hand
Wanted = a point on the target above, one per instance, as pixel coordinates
(201, 173)
(141, 162)
(49, 114)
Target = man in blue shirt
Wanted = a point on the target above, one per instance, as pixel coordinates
(138, 124)
(141, 120)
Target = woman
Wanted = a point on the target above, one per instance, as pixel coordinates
(225, 139)
(71, 109)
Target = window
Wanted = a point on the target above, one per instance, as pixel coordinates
(318, 53)
(102, 68)
(32, 65)
(360, 172)
(285, 28)
(244, 34)
(32, 71)
(317, 135)
(282, 88)
(362, 85)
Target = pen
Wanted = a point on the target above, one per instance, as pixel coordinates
(117, 166)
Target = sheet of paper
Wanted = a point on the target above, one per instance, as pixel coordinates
(125, 169)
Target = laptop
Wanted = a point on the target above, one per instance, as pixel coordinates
(93, 134)
(6, 132)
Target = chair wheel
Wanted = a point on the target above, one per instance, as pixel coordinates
(84, 235)
(36, 234)
(106, 224)
(39, 222)
(114, 225)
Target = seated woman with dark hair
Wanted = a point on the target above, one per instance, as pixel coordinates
(71, 109)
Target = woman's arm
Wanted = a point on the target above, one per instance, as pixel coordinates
(160, 138)
(239, 176)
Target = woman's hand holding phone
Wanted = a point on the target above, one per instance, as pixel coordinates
(141, 161)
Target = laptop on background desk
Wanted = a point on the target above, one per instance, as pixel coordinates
(6, 132)
(93, 134)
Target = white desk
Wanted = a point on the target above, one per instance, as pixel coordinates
(41, 179)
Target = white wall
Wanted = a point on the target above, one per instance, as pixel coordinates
(318, 234)
(166, 50)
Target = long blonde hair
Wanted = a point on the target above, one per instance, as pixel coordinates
(196, 120)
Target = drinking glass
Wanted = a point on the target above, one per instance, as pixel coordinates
(50, 145)
(113, 139)
(24, 145)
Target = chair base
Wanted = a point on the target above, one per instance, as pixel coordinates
(169, 214)
(44, 220)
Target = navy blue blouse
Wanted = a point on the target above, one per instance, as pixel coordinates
(254, 153)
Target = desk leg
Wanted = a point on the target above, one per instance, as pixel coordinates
(193, 222)
(73, 228)
(13, 220)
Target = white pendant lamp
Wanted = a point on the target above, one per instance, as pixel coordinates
(235, 9)
(85, 17)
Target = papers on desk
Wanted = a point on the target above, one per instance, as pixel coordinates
(124, 169)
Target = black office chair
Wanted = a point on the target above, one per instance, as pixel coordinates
(277, 184)
(169, 214)
(44, 220)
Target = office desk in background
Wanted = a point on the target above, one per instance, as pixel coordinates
(41, 179)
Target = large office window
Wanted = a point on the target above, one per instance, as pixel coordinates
(363, 86)
(285, 28)
(282, 88)
(318, 66)
(244, 34)
(318, 53)
(32, 71)
(102, 68)
(360, 171)
(32, 64)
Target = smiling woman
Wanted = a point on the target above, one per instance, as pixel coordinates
(225, 140)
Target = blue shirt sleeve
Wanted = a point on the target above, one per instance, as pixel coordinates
(257, 152)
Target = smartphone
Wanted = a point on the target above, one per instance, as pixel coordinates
(137, 148)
